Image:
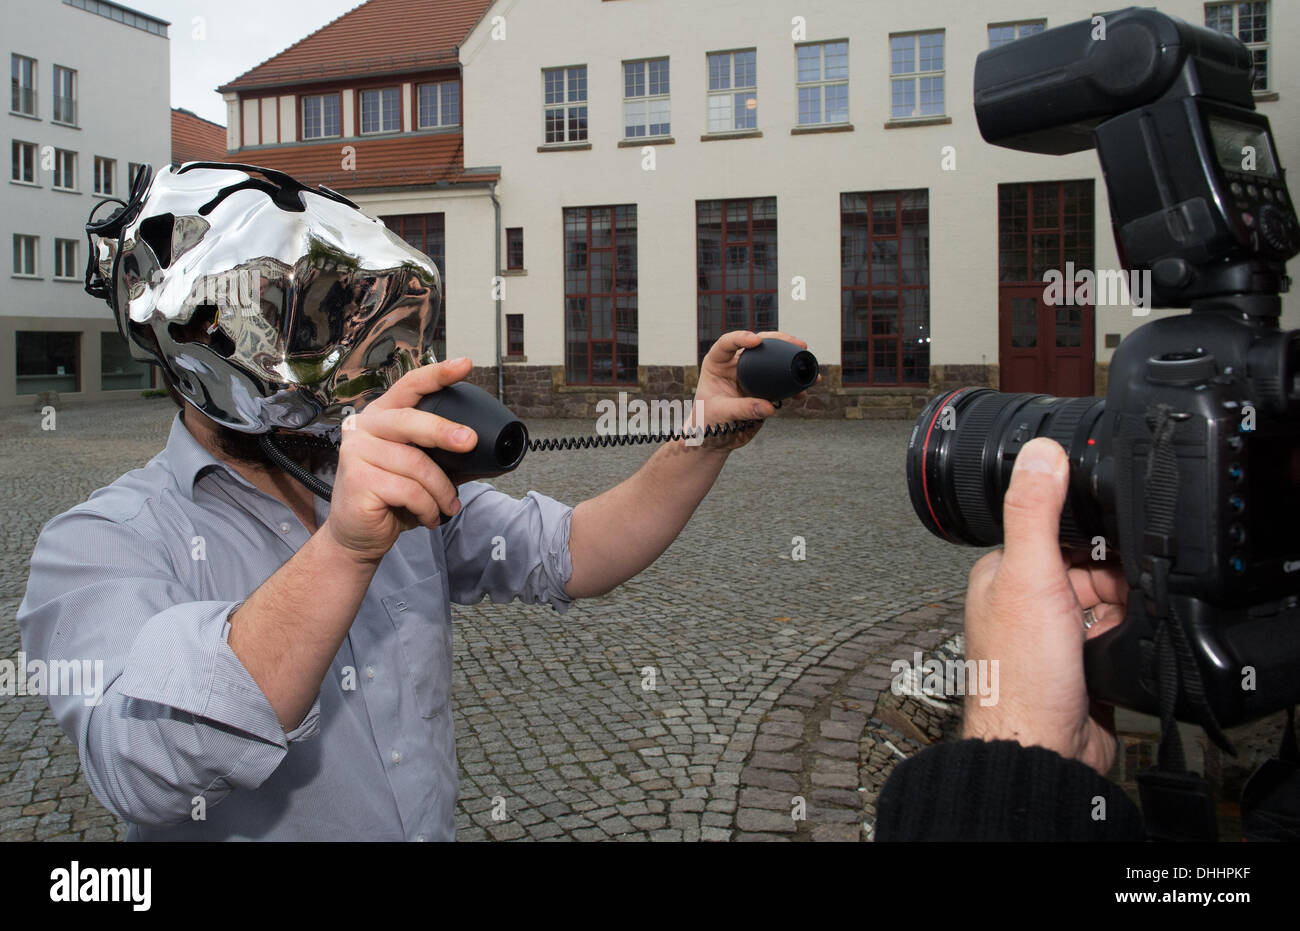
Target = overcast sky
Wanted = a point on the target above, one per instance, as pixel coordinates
(229, 37)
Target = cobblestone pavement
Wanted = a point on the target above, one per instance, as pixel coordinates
(662, 711)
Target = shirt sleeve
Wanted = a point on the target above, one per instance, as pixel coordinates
(507, 548)
(175, 716)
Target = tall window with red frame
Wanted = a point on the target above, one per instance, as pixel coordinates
(1043, 226)
(885, 287)
(427, 233)
(736, 264)
(600, 310)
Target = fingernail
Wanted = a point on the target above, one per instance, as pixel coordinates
(455, 506)
(1039, 457)
(457, 361)
(758, 409)
(462, 435)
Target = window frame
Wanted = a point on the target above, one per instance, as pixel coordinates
(34, 150)
(361, 109)
(78, 359)
(417, 121)
(63, 248)
(647, 99)
(915, 76)
(303, 101)
(869, 265)
(60, 168)
(511, 321)
(109, 173)
(511, 242)
(731, 91)
(822, 83)
(726, 242)
(35, 241)
(16, 86)
(1016, 25)
(615, 296)
(1254, 46)
(566, 106)
(71, 98)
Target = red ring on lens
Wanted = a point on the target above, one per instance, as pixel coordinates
(925, 449)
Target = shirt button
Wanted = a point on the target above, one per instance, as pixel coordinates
(370, 672)
(284, 527)
(397, 757)
(419, 838)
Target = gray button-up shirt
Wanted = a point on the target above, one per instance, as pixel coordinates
(183, 745)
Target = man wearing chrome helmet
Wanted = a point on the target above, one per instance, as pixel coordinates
(278, 665)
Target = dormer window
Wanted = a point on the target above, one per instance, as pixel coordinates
(381, 110)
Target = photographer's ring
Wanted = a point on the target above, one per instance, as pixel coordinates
(1089, 619)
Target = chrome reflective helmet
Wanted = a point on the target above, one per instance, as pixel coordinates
(269, 305)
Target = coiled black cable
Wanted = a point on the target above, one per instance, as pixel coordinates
(550, 443)
(273, 452)
(270, 446)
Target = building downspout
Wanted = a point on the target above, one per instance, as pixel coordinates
(496, 305)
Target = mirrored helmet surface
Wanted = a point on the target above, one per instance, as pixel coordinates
(269, 305)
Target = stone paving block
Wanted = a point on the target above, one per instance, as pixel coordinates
(762, 820)
(837, 833)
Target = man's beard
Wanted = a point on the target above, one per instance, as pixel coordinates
(246, 448)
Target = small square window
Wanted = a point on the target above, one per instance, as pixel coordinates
(320, 116)
(381, 110)
(438, 104)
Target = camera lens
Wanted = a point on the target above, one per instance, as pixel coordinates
(512, 443)
(803, 369)
(963, 447)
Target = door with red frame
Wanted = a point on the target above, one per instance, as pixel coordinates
(1042, 227)
(1043, 348)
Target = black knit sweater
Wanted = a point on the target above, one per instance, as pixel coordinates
(1001, 791)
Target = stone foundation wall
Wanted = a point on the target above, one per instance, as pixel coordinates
(535, 391)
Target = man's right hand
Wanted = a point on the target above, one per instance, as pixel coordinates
(384, 485)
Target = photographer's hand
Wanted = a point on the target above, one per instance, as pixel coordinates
(1024, 609)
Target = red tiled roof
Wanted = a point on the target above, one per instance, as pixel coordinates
(195, 139)
(379, 36)
(397, 161)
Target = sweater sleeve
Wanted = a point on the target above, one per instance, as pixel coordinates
(975, 790)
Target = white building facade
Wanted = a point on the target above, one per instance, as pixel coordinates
(89, 100)
(673, 168)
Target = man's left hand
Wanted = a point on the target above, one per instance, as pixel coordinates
(719, 399)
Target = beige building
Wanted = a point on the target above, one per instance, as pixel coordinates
(608, 185)
(814, 165)
(89, 89)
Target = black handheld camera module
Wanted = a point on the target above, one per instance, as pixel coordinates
(1190, 467)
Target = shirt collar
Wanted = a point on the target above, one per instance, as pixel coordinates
(189, 460)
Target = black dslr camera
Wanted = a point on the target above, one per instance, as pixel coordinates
(1190, 467)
